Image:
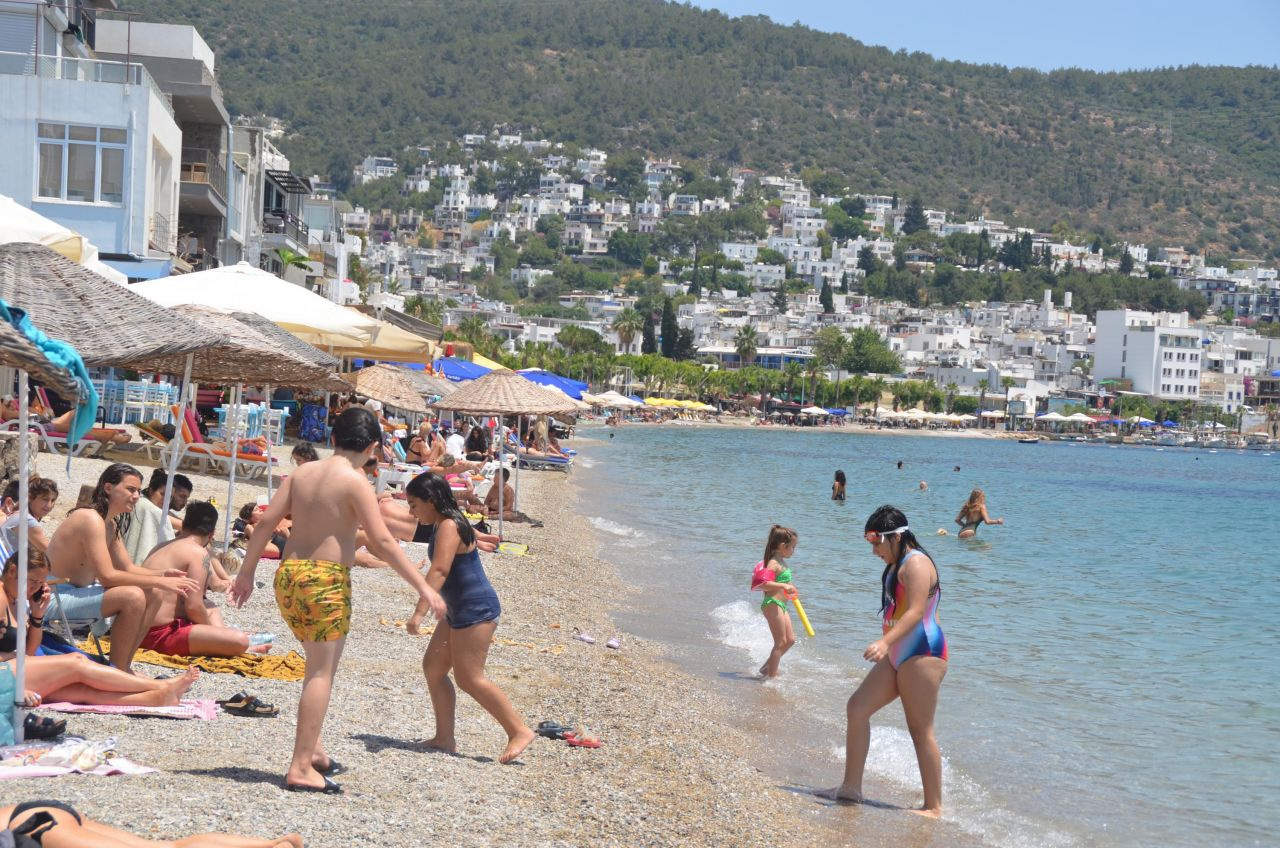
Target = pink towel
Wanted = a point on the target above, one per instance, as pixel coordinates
(118, 765)
(202, 708)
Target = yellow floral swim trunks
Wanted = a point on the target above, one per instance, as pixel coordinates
(314, 597)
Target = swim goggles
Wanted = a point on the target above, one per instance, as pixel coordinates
(876, 537)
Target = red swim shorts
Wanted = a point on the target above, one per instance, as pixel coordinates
(173, 638)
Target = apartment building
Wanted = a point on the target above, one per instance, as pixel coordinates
(1159, 353)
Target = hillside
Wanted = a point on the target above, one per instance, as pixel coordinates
(1188, 156)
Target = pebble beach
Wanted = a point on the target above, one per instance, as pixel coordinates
(674, 768)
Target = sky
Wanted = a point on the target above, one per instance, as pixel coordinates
(1100, 35)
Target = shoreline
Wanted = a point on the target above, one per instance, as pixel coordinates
(673, 769)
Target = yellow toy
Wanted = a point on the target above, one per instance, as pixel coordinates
(794, 597)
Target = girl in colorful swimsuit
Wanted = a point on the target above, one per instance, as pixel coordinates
(773, 577)
(910, 657)
(461, 641)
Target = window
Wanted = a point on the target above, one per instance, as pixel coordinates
(83, 164)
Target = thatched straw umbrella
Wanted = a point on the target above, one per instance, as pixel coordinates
(389, 385)
(17, 351)
(245, 357)
(503, 392)
(109, 324)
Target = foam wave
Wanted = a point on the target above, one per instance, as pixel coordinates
(615, 528)
(969, 806)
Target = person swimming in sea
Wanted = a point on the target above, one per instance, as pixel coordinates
(973, 514)
(837, 488)
(773, 577)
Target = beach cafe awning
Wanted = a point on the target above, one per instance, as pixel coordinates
(391, 344)
(991, 413)
(459, 370)
(244, 288)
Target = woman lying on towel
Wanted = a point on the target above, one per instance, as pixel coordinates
(53, 824)
(70, 677)
(61, 424)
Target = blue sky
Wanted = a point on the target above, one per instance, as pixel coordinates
(1105, 36)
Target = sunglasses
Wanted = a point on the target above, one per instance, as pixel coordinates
(876, 538)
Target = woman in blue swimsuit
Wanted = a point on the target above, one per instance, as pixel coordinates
(910, 657)
(461, 642)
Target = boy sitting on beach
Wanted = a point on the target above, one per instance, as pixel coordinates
(329, 500)
(182, 625)
(42, 494)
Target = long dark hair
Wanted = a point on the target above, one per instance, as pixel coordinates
(885, 519)
(840, 477)
(112, 476)
(435, 490)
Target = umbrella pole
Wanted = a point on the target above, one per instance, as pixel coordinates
(519, 427)
(498, 481)
(24, 474)
(176, 444)
(233, 424)
(270, 442)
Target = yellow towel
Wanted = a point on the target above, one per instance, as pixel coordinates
(290, 666)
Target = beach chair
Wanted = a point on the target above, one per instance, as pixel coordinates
(73, 630)
(196, 449)
(544, 463)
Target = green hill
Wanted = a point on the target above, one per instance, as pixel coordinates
(1176, 156)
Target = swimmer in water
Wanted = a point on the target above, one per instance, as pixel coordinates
(973, 514)
(924, 487)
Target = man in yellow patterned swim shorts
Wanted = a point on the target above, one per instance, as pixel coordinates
(329, 501)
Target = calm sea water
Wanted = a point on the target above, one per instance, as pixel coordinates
(1114, 677)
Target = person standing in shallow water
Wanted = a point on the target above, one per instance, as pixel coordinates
(910, 658)
(837, 487)
(773, 577)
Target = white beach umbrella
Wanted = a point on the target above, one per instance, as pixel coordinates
(20, 224)
(1080, 418)
(814, 410)
(244, 288)
(1052, 416)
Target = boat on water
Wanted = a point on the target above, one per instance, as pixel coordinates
(1030, 440)
(1175, 440)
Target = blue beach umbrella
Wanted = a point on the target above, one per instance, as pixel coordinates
(459, 370)
(1167, 423)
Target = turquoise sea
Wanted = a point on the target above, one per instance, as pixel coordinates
(1114, 675)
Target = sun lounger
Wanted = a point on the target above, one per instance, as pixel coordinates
(544, 463)
(53, 440)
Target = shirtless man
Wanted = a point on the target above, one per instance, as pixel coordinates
(329, 500)
(182, 625)
(87, 552)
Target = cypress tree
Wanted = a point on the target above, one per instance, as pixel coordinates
(648, 344)
(827, 298)
(670, 330)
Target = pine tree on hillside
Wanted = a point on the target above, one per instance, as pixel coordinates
(670, 330)
(914, 220)
(827, 298)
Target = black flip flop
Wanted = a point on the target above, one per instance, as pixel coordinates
(41, 727)
(329, 788)
(249, 705)
(553, 730)
(334, 768)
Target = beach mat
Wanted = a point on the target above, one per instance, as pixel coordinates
(291, 666)
(202, 708)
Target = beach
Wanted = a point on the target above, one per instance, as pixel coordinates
(674, 769)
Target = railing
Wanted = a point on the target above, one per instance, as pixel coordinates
(204, 166)
(160, 233)
(83, 70)
(285, 223)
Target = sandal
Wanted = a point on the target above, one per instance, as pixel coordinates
(244, 704)
(42, 727)
(554, 730)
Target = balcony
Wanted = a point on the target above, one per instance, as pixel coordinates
(160, 234)
(281, 228)
(81, 70)
(204, 183)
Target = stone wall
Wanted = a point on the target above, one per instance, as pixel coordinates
(9, 454)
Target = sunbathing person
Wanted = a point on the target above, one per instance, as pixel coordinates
(101, 580)
(70, 677)
(242, 530)
(508, 492)
(61, 424)
(182, 626)
(56, 825)
(42, 494)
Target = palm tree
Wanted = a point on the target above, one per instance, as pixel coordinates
(746, 344)
(851, 388)
(812, 369)
(392, 286)
(1006, 383)
(876, 388)
(983, 385)
(628, 324)
(473, 329)
(292, 259)
(952, 389)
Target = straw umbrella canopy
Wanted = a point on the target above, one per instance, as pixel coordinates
(283, 338)
(429, 385)
(108, 323)
(389, 385)
(17, 351)
(503, 392)
(246, 356)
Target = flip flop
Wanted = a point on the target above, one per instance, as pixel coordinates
(329, 788)
(333, 769)
(553, 730)
(585, 742)
(613, 643)
(583, 637)
(42, 727)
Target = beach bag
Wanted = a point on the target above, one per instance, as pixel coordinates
(8, 694)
